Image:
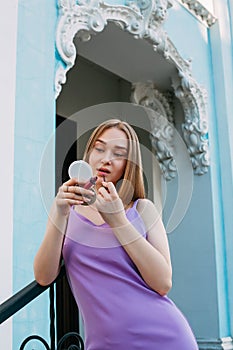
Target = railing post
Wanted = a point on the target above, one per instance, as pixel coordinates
(52, 317)
(34, 337)
(77, 338)
(24, 297)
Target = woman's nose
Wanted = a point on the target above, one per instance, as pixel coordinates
(107, 158)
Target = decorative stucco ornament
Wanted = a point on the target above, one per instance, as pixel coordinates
(83, 18)
(199, 11)
(195, 127)
(143, 19)
(162, 128)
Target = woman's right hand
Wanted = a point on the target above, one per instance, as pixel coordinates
(72, 193)
(48, 258)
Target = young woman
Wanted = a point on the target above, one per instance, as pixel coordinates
(115, 251)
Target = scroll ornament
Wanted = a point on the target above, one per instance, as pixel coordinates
(162, 129)
(143, 19)
(195, 127)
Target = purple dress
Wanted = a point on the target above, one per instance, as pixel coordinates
(120, 311)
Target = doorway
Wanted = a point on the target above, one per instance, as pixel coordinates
(88, 84)
(66, 309)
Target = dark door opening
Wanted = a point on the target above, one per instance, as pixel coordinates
(66, 308)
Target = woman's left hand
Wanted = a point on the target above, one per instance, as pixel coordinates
(110, 205)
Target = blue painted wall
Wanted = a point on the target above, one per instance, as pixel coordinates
(199, 245)
(34, 124)
(222, 64)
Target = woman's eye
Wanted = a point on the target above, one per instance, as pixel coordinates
(119, 155)
(98, 149)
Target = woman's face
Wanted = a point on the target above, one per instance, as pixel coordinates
(109, 156)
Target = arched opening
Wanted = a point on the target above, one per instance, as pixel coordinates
(92, 81)
(104, 71)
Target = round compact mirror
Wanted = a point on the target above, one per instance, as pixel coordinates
(80, 170)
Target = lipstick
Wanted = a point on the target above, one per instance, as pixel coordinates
(90, 182)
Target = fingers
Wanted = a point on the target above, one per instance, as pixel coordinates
(73, 182)
(74, 194)
(108, 200)
(78, 190)
(108, 191)
(66, 197)
(104, 194)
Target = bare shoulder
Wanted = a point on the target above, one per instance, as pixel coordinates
(148, 212)
(145, 205)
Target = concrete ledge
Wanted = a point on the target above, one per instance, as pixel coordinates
(215, 344)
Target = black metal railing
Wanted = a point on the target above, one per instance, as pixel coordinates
(70, 341)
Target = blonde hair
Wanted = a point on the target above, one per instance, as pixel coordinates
(133, 169)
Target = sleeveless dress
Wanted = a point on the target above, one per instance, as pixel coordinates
(120, 311)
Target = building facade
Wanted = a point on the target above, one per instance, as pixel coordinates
(87, 60)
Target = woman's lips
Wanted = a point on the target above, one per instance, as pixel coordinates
(102, 173)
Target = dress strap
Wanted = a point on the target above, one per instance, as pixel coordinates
(135, 203)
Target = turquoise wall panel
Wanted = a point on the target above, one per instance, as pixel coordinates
(222, 125)
(208, 219)
(197, 244)
(34, 125)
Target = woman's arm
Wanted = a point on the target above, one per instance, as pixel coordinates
(151, 256)
(48, 258)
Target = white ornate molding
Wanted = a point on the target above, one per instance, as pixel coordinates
(215, 344)
(195, 126)
(143, 19)
(162, 129)
(83, 18)
(199, 11)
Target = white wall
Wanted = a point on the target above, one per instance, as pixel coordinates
(8, 23)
